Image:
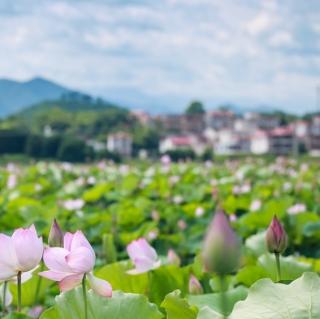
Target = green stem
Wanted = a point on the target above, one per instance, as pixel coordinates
(85, 300)
(278, 266)
(36, 296)
(148, 288)
(19, 291)
(4, 296)
(223, 296)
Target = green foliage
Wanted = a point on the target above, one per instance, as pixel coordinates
(182, 154)
(194, 108)
(72, 150)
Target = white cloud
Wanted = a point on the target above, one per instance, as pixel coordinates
(261, 23)
(281, 38)
(208, 49)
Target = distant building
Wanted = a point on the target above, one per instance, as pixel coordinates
(279, 141)
(120, 143)
(143, 117)
(260, 143)
(221, 119)
(182, 124)
(183, 142)
(314, 136)
(263, 122)
(230, 142)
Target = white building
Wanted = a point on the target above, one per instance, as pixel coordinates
(183, 142)
(220, 119)
(260, 143)
(279, 141)
(120, 143)
(231, 142)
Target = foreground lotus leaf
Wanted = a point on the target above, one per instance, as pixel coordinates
(177, 308)
(69, 305)
(267, 300)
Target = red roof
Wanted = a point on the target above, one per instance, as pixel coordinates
(181, 140)
(282, 131)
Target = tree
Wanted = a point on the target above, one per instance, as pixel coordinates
(195, 107)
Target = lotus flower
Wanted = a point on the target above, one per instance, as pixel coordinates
(20, 253)
(55, 236)
(69, 265)
(195, 287)
(222, 248)
(143, 256)
(276, 237)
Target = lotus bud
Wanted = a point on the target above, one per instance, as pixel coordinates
(55, 238)
(276, 237)
(109, 249)
(173, 258)
(195, 287)
(222, 247)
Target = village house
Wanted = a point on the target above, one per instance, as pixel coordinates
(183, 142)
(230, 142)
(314, 136)
(120, 143)
(221, 119)
(279, 141)
(182, 124)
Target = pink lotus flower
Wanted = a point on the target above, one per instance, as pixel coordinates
(143, 256)
(21, 252)
(68, 265)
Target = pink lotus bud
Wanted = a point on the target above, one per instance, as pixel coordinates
(143, 256)
(173, 258)
(222, 248)
(55, 238)
(276, 237)
(21, 252)
(195, 287)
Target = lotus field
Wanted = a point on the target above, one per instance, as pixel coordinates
(238, 240)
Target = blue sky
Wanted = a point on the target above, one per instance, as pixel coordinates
(159, 55)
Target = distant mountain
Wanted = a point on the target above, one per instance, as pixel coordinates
(71, 101)
(14, 95)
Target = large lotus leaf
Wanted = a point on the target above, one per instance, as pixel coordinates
(116, 274)
(256, 244)
(267, 300)
(121, 306)
(16, 316)
(213, 301)
(291, 268)
(165, 280)
(177, 307)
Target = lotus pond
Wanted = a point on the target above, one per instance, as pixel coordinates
(145, 225)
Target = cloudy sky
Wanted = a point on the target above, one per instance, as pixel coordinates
(162, 54)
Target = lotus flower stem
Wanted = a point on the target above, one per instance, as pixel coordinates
(4, 296)
(223, 297)
(277, 255)
(19, 291)
(85, 300)
(36, 296)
